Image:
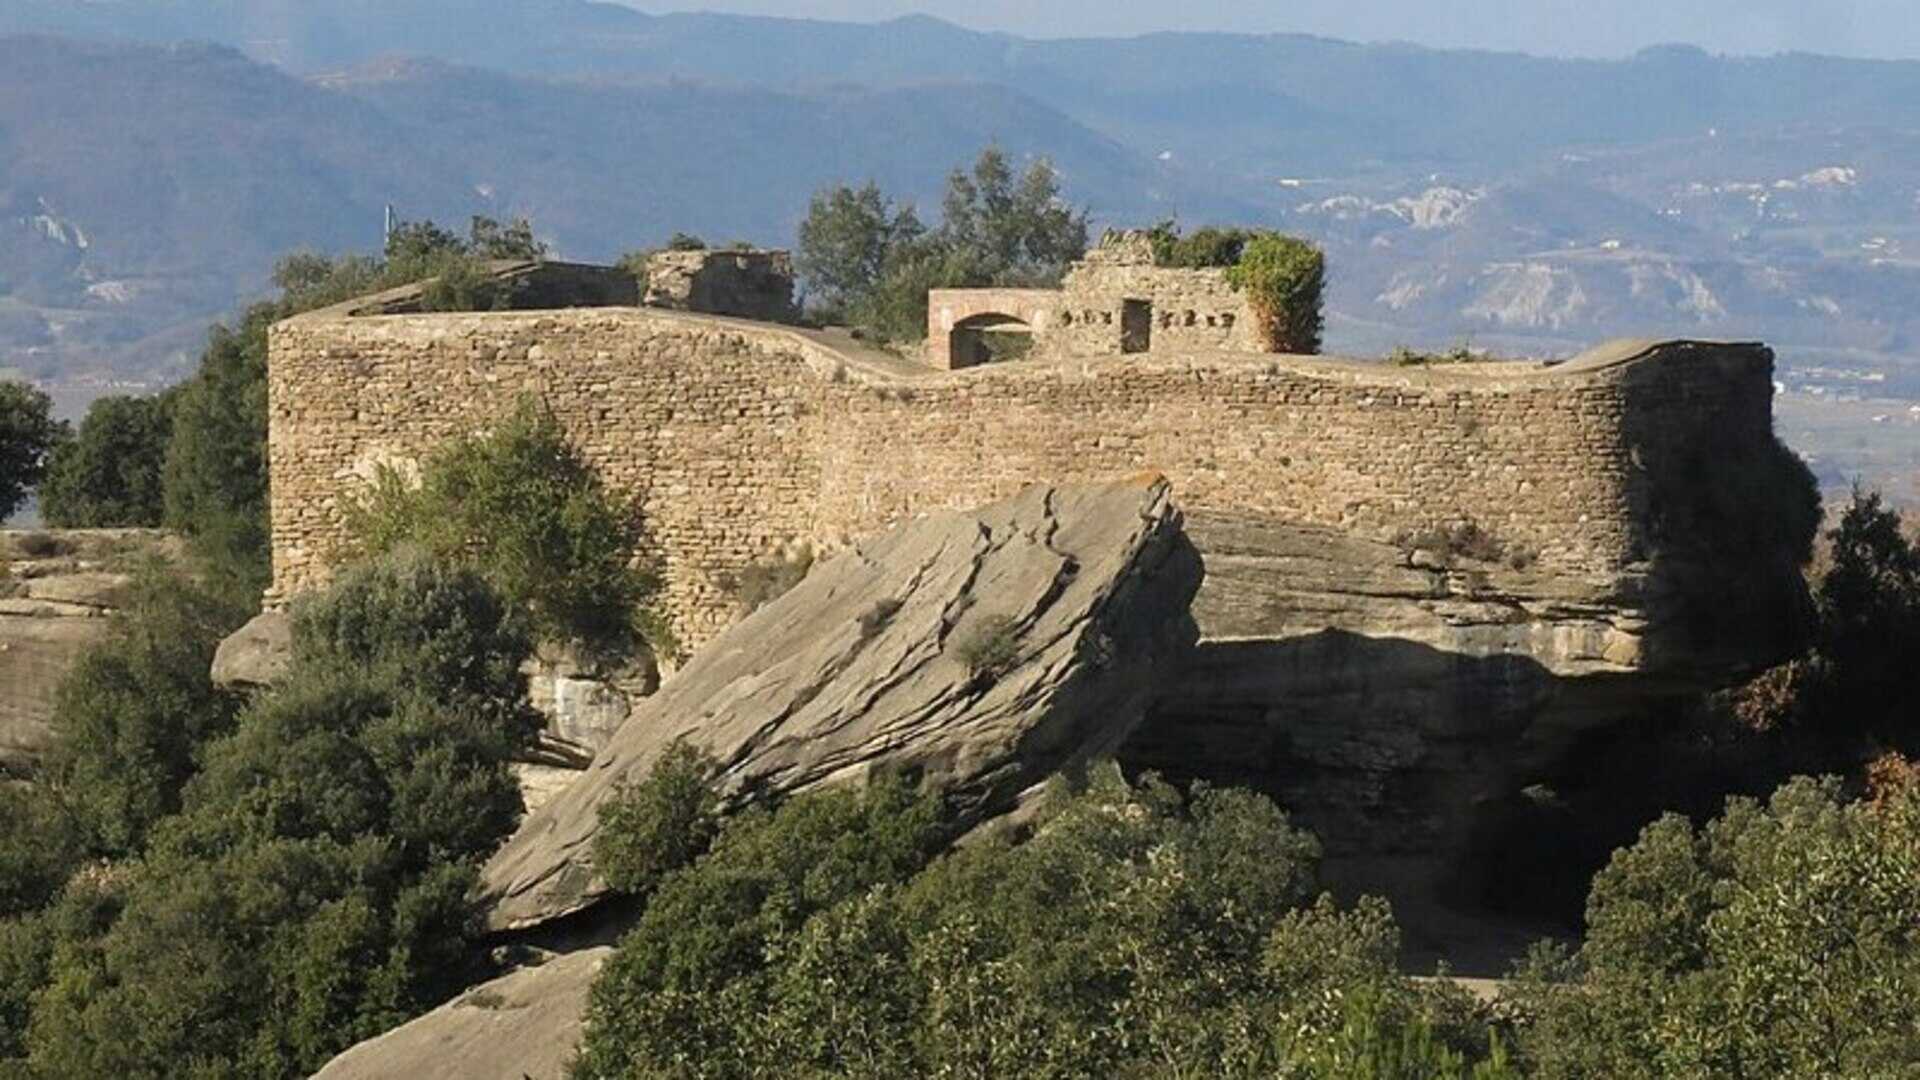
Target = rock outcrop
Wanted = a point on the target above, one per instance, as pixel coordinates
(57, 588)
(257, 655)
(1387, 693)
(523, 1025)
(985, 650)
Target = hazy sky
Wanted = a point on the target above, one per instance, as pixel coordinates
(1883, 28)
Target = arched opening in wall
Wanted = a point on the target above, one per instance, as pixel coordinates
(990, 338)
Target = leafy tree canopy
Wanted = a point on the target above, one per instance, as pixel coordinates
(870, 261)
(1137, 932)
(520, 506)
(109, 474)
(28, 434)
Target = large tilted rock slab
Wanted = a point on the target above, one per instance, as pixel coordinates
(863, 665)
(523, 1025)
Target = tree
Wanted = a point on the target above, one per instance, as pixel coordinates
(870, 261)
(133, 716)
(847, 240)
(522, 508)
(1138, 931)
(1782, 940)
(28, 434)
(318, 885)
(109, 474)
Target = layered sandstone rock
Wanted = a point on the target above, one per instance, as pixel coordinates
(523, 1025)
(57, 588)
(985, 650)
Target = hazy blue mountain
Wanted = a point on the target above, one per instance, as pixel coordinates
(1253, 105)
(145, 190)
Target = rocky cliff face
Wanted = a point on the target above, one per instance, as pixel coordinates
(1389, 693)
(57, 588)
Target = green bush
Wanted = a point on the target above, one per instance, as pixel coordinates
(1203, 249)
(109, 474)
(659, 825)
(1135, 933)
(681, 996)
(1284, 279)
(1780, 941)
(525, 511)
(318, 885)
(989, 648)
(135, 713)
(28, 434)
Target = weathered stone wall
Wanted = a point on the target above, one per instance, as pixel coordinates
(745, 284)
(1104, 307)
(712, 427)
(740, 442)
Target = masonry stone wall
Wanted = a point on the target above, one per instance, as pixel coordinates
(1107, 305)
(741, 441)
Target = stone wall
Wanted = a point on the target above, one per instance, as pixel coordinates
(741, 441)
(1112, 303)
(745, 284)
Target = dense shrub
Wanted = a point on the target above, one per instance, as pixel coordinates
(1203, 249)
(1285, 281)
(133, 716)
(1136, 933)
(1783, 940)
(317, 885)
(522, 508)
(28, 434)
(108, 474)
(659, 825)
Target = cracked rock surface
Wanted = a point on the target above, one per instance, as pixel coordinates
(1073, 599)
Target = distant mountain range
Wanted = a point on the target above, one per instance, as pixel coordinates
(1522, 203)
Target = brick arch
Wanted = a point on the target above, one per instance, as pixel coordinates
(953, 315)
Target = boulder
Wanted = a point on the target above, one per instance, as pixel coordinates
(523, 1025)
(256, 655)
(985, 651)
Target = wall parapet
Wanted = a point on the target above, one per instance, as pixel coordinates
(739, 441)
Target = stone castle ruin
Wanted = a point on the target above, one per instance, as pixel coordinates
(1424, 585)
(1115, 302)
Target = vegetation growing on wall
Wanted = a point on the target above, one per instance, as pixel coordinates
(521, 507)
(868, 261)
(215, 476)
(1285, 282)
(1284, 277)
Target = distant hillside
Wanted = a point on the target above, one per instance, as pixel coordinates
(1251, 105)
(145, 190)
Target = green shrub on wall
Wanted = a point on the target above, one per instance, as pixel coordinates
(1284, 279)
